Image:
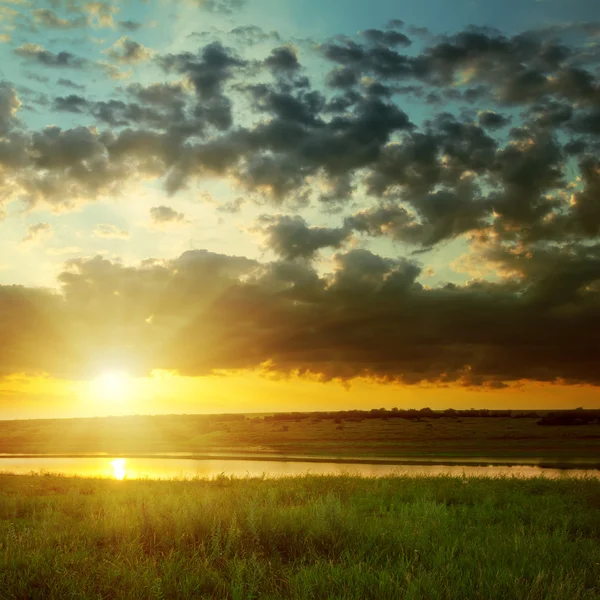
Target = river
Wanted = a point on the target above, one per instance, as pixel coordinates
(189, 468)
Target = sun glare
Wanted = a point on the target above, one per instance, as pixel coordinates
(112, 386)
(118, 466)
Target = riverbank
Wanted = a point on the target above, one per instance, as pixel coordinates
(302, 537)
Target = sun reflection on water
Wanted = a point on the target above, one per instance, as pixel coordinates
(118, 466)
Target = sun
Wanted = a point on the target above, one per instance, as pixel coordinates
(118, 466)
(112, 386)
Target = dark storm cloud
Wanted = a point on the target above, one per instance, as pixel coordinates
(386, 38)
(283, 59)
(437, 216)
(370, 317)
(157, 105)
(118, 113)
(161, 94)
(36, 53)
(208, 71)
(291, 237)
(72, 103)
(587, 123)
(517, 70)
(493, 120)
(447, 152)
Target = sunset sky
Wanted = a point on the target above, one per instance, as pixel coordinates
(275, 205)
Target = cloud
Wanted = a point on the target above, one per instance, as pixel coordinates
(72, 103)
(9, 106)
(37, 233)
(126, 51)
(44, 17)
(223, 7)
(368, 317)
(508, 153)
(70, 84)
(100, 14)
(112, 71)
(489, 119)
(292, 237)
(283, 59)
(36, 53)
(503, 160)
(129, 25)
(391, 37)
(110, 232)
(208, 72)
(161, 215)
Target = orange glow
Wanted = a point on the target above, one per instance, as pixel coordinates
(167, 392)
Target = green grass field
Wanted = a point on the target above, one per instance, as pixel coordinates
(491, 438)
(306, 537)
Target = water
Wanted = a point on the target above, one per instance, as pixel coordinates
(186, 468)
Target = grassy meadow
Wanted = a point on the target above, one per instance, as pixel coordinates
(501, 438)
(305, 537)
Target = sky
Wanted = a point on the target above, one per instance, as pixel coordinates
(270, 205)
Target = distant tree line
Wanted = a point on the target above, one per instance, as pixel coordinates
(396, 413)
(579, 416)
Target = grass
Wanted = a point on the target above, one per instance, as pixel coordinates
(500, 439)
(303, 537)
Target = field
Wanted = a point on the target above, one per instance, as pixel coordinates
(306, 537)
(500, 438)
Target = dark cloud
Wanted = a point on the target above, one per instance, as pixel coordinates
(297, 141)
(9, 105)
(70, 84)
(72, 103)
(130, 25)
(522, 69)
(526, 198)
(283, 59)
(208, 71)
(386, 38)
(492, 120)
(370, 317)
(436, 216)
(36, 53)
(292, 237)
(160, 94)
